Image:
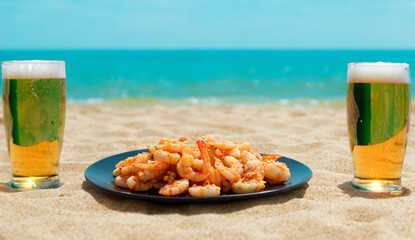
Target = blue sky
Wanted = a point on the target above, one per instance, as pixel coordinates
(207, 24)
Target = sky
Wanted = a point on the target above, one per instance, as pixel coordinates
(207, 24)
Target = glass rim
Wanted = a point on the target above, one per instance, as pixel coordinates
(379, 64)
(32, 62)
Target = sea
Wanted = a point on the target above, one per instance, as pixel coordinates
(209, 77)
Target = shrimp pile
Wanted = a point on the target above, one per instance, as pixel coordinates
(205, 169)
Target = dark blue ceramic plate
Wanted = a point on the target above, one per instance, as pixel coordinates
(100, 175)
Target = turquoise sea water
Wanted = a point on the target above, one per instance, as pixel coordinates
(208, 77)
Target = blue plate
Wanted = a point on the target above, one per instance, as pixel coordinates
(100, 175)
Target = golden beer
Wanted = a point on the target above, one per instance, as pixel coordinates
(378, 110)
(34, 103)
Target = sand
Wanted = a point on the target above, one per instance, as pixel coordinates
(326, 207)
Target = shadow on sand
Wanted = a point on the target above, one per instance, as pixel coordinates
(5, 188)
(347, 188)
(122, 204)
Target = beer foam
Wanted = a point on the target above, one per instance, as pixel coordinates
(33, 69)
(380, 72)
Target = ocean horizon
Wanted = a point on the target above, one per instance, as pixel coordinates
(208, 77)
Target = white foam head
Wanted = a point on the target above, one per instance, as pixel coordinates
(33, 69)
(379, 72)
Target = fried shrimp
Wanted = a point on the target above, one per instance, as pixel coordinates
(136, 185)
(125, 167)
(198, 164)
(211, 166)
(117, 172)
(150, 169)
(233, 171)
(166, 157)
(215, 177)
(209, 139)
(204, 191)
(141, 157)
(185, 170)
(247, 156)
(201, 143)
(148, 175)
(175, 188)
(121, 181)
(236, 153)
(273, 158)
(223, 145)
(128, 170)
(248, 186)
(244, 146)
(151, 165)
(226, 186)
(172, 146)
(276, 172)
(254, 170)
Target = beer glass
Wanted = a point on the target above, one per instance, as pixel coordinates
(378, 114)
(34, 104)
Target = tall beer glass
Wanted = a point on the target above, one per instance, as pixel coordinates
(34, 103)
(378, 114)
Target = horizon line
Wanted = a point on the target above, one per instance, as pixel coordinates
(208, 49)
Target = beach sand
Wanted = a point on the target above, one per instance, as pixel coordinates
(326, 207)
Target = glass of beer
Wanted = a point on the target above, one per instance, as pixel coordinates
(34, 104)
(378, 114)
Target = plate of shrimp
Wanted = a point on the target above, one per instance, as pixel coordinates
(210, 170)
